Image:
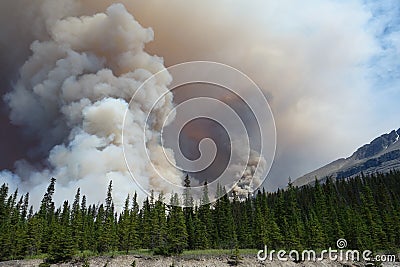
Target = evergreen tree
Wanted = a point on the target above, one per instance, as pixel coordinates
(307, 217)
(372, 218)
(294, 232)
(260, 227)
(34, 230)
(200, 237)
(205, 216)
(176, 234)
(159, 230)
(107, 235)
(87, 225)
(146, 224)
(5, 224)
(77, 222)
(321, 215)
(223, 220)
(3, 198)
(47, 205)
(315, 234)
(188, 212)
(126, 228)
(134, 223)
(46, 216)
(274, 236)
(62, 245)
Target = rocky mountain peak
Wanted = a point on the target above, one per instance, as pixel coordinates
(377, 145)
(381, 155)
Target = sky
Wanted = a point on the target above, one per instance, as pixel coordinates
(330, 69)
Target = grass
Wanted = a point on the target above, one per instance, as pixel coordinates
(218, 252)
(89, 253)
(35, 257)
(188, 253)
(148, 253)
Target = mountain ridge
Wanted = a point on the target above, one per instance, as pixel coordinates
(382, 154)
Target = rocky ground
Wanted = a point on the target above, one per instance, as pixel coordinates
(195, 261)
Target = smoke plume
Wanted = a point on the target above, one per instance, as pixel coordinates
(72, 95)
(312, 60)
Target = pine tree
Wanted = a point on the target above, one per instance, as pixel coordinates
(205, 216)
(146, 224)
(134, 223)
(87, 225)
(5, 224)
(46, 216)
(316, 237)
(77, 222)
(243, 216)
(107, 234)
(274, 237)
(3, 198)
(188, 212)
(294, 231)
(176, 235)
(91, 223)
(19, 229)
(125, 228)
(62, 244)
(223, 220)
(200, 236)
(366, 218)
(100, 231)
(159, 230)
(47, 205)
(370, 215)
(34, 230)
(260, 227)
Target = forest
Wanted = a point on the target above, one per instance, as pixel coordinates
(364, 210)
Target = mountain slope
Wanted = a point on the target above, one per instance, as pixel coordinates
(381, 155)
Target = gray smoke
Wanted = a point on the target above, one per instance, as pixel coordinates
(72, 95)
(311, 59)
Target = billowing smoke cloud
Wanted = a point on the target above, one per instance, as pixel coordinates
(72, 95)
(311, 59)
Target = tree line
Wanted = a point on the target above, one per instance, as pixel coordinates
(364, 210)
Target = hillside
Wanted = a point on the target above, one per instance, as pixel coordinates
(381, 155)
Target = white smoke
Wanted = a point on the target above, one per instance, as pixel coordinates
(309, 59)
(72, 95)
(252, 176)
